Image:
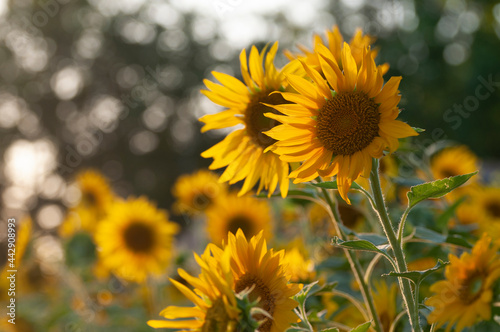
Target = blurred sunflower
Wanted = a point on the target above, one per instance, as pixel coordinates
(96, 197)
(135, 240)
(215, 303)
(298, 265)
(338, 133)
(254, 266)
(196, 192)
(465, 296)
(231, 213)
(359, 42)
(454, 161)
(242, 151)
(486, 206)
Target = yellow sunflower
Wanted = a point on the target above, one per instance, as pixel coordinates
(230, 213)
(299, 266)
(213, 298)
(358, 44)
(96, 197)
(135, 240)
(465, 296)
(485, 204)
(195, 192)
(242, 151)
(339, 132)
(252, 265)
(454, 161)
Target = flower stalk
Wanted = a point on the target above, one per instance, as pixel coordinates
(354, 263)
(410, 301)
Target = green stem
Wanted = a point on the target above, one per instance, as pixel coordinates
(404, 284)
(401, 229)
(355, 265)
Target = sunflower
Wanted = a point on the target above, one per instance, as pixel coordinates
(339, 132)
(454, 161)
(135, 240)
(195, 192)
(254, 266)
(298, 265)
(96, 197)
(231, 213)
(465, 296)
(485, 206)
(358, 44)
(215, 303)
(242, 151)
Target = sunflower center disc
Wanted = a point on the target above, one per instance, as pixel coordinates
(242, 222)
(493, 209)
(89, 199)
(348, 123)
(216, 319)
(201, 201)
(138, 237)
(471, 288)
(255, 121)
(261, 291)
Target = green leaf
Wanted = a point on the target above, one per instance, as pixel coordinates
(362, 328)
(333, 185)
(418, 130)
(418, 276)
(435, 189)
(362, 245)
(430, 235)
(330, 329)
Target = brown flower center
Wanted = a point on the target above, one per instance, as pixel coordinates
(448, 172)
(217, 318)
(493, 208)
(472, 288)
(255, 121)
(201, 201)
(139, 237)
(243, 222)
(262, 292)
(348, 123)
(89, 199)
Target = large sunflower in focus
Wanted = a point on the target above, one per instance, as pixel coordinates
(359, 42)
(338, 132)
(242, 151)
(465, 296)
(196, 192)
(231, 213)
(213, 298)
(135, 240)
(254, 266)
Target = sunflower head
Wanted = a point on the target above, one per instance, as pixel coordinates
(215, 307)
(196, 192)
(465, 296)
(231, 213)
(338, 132)
(453, 161)
(260, 270)
(246, 102)
(135, 239)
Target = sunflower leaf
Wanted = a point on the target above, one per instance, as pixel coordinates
(418, 276)
(442, 220)
(418, 130)
(362, 245)
(435, 189)
(362, 328)
(435, 237)
(330, 329)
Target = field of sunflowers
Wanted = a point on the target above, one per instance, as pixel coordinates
(317, 202)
